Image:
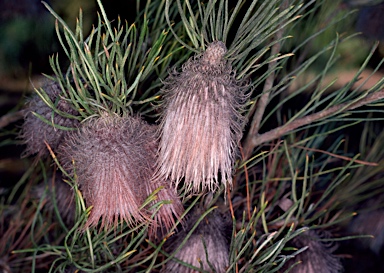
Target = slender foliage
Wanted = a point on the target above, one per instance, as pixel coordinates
(295, 174)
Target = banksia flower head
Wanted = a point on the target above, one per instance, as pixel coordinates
(113, 158)
(35, 132)
(318, 257)
(111, 167)
(201, 125)
(208, 246)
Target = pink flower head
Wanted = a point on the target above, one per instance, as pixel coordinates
(201, 126)
(114, 159)
(111, 166)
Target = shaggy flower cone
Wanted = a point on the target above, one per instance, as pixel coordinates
(113, 159)
(36, 132)
(111, 168)
(201, 125)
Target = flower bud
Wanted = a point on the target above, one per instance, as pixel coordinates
(201, 126)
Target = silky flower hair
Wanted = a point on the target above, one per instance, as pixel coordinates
(201, 124)
(113, 158)
(318, 257)
(208, 246)
(35, 132)
(106, 155)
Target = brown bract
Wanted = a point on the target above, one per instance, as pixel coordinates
(201, 126)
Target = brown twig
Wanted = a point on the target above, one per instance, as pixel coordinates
(262, 103)
(247, 186)
(374, 164)
(284, 129)
(233, 217)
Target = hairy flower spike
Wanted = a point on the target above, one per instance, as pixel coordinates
(114, 161)
(201, 125)
(36, 132)
(111, 167)
(206, 248)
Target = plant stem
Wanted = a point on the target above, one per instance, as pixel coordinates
(258, 111)
(284, 129)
